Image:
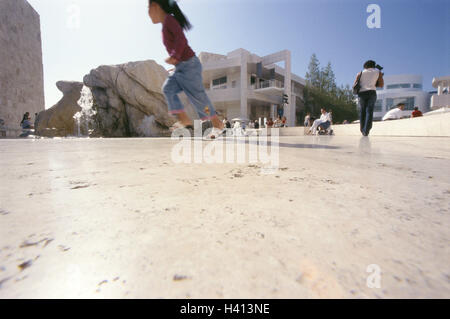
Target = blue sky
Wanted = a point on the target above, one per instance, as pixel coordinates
(413, 38)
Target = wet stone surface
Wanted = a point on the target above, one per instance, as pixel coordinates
(117, 218)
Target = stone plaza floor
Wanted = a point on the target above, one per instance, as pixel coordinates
(342, 217)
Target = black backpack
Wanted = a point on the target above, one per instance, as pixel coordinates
(357, 85)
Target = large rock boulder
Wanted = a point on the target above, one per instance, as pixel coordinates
(58, 120)
(129, 101)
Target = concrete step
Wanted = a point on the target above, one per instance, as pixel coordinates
(428, 126)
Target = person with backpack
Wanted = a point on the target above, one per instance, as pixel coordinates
(365, 87)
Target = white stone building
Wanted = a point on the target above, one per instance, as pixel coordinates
(245, 85)
(21, 69)
(406, 89)
(442, 98)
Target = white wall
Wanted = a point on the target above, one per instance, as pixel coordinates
(229, 95)
(422, 100)
(427, 126)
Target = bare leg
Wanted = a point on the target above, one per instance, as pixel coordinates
(217, 123)
(184, 119)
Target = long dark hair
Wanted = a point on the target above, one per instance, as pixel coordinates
(171, 7)
(25, 117)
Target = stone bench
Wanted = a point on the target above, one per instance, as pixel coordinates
(9, 132)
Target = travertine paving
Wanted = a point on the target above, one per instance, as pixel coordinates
(116, 218)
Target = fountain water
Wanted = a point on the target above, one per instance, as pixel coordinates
(85, 118)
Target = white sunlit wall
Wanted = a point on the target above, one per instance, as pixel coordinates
(442, 98)
(245, 85)
(407, 89)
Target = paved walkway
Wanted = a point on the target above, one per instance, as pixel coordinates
(117, 218)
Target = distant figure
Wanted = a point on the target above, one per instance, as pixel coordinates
(345, 122)
(324, 122)
(307, 119)
(257, 125)
(35, 119)
(284, 121)
(369, 79)
(277, 122)
(26, 122)
(270, 123)
(395, 114)
(416, 113)
(237, 129)
(228, 124)
(2, 128)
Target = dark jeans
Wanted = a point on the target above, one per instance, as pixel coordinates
(367, 102)
(325, 126)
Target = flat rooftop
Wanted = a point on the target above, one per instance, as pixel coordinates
(116, 218)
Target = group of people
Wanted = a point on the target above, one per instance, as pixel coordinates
(279, 122)
(187, 77)
(397, 113)
(241, 126)
(187, 73)
(237, 128)
(367, 82)
(26, 124)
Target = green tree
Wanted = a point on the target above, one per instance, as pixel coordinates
(321, 91)
(313, 75)
(328, 79)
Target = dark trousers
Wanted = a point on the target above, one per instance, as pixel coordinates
(367, 102)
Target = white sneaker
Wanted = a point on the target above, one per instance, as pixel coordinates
(215, 134)
(178, 126)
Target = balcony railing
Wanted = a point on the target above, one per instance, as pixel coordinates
(219, 87)
(268, 84)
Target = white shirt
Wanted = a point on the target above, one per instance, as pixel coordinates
(369, 80)
(393, 114)
(325, 118)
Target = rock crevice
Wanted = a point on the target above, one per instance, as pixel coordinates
(129, 101)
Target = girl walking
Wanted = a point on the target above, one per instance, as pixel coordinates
(188, 69)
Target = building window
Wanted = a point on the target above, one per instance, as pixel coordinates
(220, 83)
(417, 86)
(378, 106)
(398, 86)
(408, 101)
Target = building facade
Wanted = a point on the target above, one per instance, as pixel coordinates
(21, 70)
(244, 85)
(442, 98)
(397, 89)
